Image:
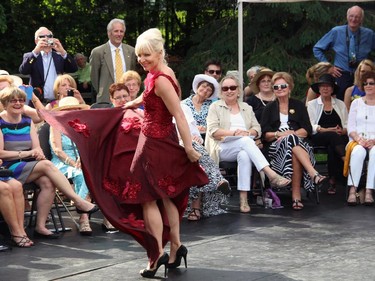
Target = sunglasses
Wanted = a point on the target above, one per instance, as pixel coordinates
(368, 83)
(218, 72)
(45, 36)
(226, 88)
(281, 86)
(14, 101)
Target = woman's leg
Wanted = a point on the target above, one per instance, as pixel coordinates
(357, 158)
(154, 225)
(303, 158)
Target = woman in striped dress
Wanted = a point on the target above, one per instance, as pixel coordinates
(285, 125)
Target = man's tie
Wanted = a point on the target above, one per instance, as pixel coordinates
(118, 66)
(352, 54)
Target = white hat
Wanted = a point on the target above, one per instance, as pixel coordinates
(70, 103)
(203, 77)
(17, 81)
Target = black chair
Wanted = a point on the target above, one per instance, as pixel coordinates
(101, 105)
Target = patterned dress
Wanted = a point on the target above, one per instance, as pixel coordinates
(17, 138)
(199, 116)
(127, 163)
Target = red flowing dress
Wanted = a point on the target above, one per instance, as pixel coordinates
(127, 162)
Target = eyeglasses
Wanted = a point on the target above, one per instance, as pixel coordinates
(45, 36)
(368, 83)
(14, 101)
(226, 88)
(120, 97)
(281, 86)
(218, 72)
(265, 81)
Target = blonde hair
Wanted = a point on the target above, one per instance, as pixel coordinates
(317, 70)
(357, 74)
(130, 75)
(286, 76)
(9, 93)
(150, 41)
(237, 82)
(6, 78)
(59, 80)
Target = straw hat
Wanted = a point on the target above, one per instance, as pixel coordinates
(203, 77)
(326, 79)
(69, 103)
(264, 71)
(17, 81)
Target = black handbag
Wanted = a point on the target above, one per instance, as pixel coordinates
(4, 172)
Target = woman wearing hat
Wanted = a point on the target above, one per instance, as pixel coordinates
(231, 127)
(21, 153)
(361, 129)
(329, 117)
(205, 90)
(312, 76)
(285, 125)
(262, 88)
(66, 158)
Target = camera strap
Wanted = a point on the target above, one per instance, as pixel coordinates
(49, 66)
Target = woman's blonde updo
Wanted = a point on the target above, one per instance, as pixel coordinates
(150, 41)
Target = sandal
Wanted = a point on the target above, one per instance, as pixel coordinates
(319, 180)
(194, 215)
(297, 205)
(85, 229)
(279, 181)
(224, 187)
(369, 200)
(331, 189)
(24, 241)
(353, 198)
(244, 206)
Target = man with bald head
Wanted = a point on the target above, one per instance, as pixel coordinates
(45, 62)
(110, 60)
(351, 44)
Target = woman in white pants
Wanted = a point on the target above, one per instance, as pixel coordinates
(361, 128)
(231, 127)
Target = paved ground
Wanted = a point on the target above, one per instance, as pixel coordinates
(329, 241)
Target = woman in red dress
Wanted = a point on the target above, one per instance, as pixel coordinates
(140, 183)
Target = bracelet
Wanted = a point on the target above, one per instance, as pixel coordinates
(19, 154)
(67, 159)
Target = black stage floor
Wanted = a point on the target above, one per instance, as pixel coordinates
(329, 241)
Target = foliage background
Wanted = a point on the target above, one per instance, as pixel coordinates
(279, 36)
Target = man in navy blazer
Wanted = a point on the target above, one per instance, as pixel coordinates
(46, 61)
(102, 60)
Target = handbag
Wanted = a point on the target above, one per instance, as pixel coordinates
(4, 172)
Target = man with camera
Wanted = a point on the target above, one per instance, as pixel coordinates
(351, 44)
(45, 62)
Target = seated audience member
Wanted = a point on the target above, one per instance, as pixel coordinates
(205, 200)
(133, 81)
(83, 73)
(12, 210)
(21, 153)
(12, 80)
(329, 118)
(213, 68)
(312, 76)
(231, 127)
(356, 91)
(64, 86)
(65, 157)
(262, 91)
(285, 125)
(119, 95)
(361, 129)
(205, 90)
(250, 73)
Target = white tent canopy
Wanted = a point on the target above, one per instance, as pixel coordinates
(240, 24)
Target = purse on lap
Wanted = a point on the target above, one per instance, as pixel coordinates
(4, 172)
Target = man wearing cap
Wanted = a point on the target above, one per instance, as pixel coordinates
(110, 60)
(45, 62)
(351, 44)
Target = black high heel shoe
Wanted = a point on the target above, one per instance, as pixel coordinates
(150, 273)
(181, 253)
(91, 211)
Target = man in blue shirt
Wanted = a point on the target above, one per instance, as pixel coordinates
(351, 44)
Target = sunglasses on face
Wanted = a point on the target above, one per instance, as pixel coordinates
(14, 101)
(280, 86)
(45, 36)
(368, 83)
(226, 88)
(218, 72)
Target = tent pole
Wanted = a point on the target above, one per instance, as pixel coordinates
(240, 43)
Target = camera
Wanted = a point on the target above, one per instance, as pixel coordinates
(51, 42)
(70, 93)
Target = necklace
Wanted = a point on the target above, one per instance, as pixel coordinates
(329, 112)
(261, 98)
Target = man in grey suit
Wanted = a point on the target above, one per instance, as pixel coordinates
(103, 62)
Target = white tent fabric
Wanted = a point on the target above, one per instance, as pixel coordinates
(240, 24)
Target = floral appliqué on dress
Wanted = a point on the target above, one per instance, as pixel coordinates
(130, 123)
(129, 191)
(168, 185)
(79, 127)
(133, 222)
